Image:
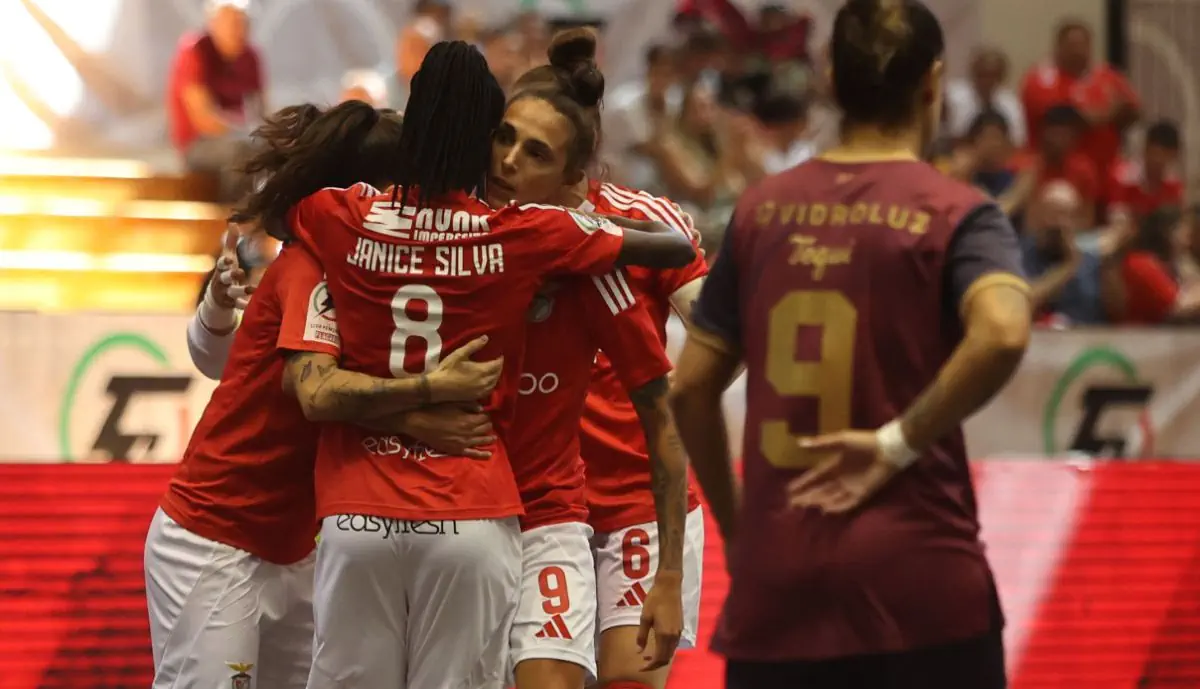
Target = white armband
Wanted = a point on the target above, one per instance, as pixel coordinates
(893, 448)
(213, 316)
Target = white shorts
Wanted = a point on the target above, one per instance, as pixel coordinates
(421, 604)
(625, 564)
(557, 616)
(221, 617)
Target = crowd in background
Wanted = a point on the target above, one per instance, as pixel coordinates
(1092, 182)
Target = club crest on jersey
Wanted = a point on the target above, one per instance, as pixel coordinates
(241, 678)
(590, 224)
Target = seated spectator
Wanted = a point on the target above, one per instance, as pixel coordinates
(1154, 290)
(1102, 95)
(986, 154)
(365, 85)
(1057, 158)
(784, 119)
(1064, 279)
(215, 92)
(985, 90)
(631, 113)
(1137, 188)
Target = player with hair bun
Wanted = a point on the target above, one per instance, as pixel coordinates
(645, 526)
(876, 304)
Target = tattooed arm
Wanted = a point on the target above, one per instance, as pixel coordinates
(668, 471)
(329, 393)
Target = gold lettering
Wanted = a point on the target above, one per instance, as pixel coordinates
(875, 218)
(786, 212)
(897, 217)
(818, 214)
(801, 213)
(806, 252)
(840, 214)
(920, 223)
(764, 213)
(858, 214)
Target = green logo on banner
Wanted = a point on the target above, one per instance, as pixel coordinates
(1093, 400)
(121, 387)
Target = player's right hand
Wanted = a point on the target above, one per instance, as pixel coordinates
(229, 287)
(460, 430)
(458, 379)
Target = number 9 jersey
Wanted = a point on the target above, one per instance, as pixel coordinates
(840, 286)
(411, 285)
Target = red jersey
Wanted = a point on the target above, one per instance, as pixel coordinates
(567, 324)
(612, 441)
(227, 82)
(1129, 191)
(412, 285)
(1151, 291)
(1046, 86)
(1077, 169)
(246, 479)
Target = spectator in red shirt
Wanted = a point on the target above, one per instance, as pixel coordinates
(1154, 292)
(1102, 94)
(1057, 158)
(1137, 188)
(215, 93)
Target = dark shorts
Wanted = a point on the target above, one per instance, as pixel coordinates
(975, 664)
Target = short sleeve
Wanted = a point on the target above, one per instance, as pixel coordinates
(189, 66)
(985, 251)
(641, 205)
(623, 328)
(716, 316)
(308, 322)
(569, 241)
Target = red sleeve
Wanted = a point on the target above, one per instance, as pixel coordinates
(731, 21)
(1031, 93)
(308, 322)
(1124, 88)
(1086, 179)
(189, 66)
(309, 218)
(639, 205)
(567, 241)
(624, 329)
(1151, 291)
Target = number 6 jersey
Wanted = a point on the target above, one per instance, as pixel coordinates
(411, 285)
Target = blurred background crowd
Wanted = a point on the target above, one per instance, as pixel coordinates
(730, 94)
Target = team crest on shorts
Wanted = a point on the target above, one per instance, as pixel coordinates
(241, 680)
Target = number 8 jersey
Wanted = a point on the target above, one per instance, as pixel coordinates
(411, 285)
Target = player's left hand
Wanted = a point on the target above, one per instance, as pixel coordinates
(663, 613)
(849, 477)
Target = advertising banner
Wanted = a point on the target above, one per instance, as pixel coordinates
(97, 387)
(1095, 564)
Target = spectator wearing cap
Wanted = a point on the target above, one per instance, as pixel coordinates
(215, 93)
(985, 90)
(1102, 95)
(1057, 157)
(1137, 188)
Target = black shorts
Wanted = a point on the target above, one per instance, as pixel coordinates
(972, 664)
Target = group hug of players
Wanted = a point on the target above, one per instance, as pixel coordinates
(461, 321)
(414, 318)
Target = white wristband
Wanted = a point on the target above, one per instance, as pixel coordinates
(214, 317)
(893, 448)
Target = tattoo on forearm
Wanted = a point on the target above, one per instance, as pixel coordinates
(306, 371)
(668, 470)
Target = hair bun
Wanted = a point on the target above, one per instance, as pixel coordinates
(573, 53)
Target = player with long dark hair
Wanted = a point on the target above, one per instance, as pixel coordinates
(229, 554)
(863, 290)
(420, 554)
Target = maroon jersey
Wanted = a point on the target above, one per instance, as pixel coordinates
(839, 285)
